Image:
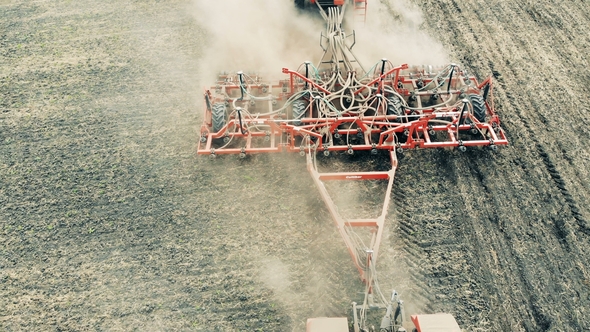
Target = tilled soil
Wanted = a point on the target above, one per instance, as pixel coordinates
(109, 221)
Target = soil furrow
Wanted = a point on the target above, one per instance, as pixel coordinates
(109, 221)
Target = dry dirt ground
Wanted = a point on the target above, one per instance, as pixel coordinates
(109, 221)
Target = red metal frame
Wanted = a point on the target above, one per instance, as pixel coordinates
(375, 225)
(260, 119)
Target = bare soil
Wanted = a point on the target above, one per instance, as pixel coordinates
(109, 220)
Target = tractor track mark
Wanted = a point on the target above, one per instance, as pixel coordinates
(498, 242)
(561, 225)
(555, 175)
(548, 121)
(505, 238)
(541, 150)
(432, 244)
(172, 254)
(583, 225)
(484, 231)
(461, 221)
(413, 258)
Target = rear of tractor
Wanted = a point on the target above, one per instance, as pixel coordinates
(359, 6)
(338, 107)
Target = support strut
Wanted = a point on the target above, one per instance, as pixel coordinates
(344, 225)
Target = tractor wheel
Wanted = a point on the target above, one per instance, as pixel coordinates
(218, 114)
(394, 106)
(479, 107)
(299, 107)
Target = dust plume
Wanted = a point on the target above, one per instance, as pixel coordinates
(260, 36)
(264, 36)
(393, 31)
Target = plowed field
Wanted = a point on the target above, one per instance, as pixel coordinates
(109, 220)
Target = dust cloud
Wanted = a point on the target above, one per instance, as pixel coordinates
(275, 274)
(263, 36)
(393, 31)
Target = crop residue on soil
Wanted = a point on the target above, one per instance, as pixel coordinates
(108, 220)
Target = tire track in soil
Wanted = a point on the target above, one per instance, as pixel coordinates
(509, 257)
(530, 280)
(539, 102)
(290, 234)
(538, 105)
(417, 295)
(412, 262)
(107, 224)
(433, 246)
(173, 255)
(560, 224)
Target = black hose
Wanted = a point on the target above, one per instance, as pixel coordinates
(239, 110)
(460, 122)
(486, 90)
(241, 86)
(306, 73)
(450, 79)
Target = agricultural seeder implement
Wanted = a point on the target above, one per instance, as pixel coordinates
(338, 107)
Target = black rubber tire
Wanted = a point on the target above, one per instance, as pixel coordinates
(299, 107)
(479, 107)
(394, 106)
(218, 116)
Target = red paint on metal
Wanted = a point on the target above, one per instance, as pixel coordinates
(444, 125)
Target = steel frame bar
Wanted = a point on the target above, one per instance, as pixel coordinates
(445, 125)
(375, 225)
(417, 133)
